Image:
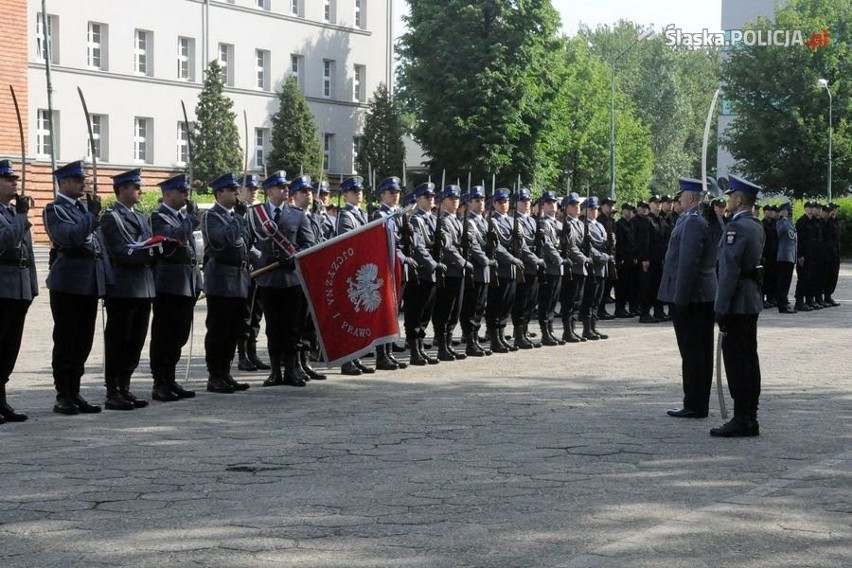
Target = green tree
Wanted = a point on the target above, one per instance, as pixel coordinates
(381, 145)
(295, 142)
(216, 141)
(478, 77)
(779, 136)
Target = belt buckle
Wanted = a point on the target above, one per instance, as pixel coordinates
(243, 265)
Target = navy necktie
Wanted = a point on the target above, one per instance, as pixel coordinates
(276, 215)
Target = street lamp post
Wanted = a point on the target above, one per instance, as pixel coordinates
(647, 33)
(824, 84)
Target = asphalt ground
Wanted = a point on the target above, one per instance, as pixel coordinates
(556, 457)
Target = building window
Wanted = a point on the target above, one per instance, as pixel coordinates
(226, 56)
(182, 144)
(356, 145)
(142, 47)
(186, 59)
(262, 69)
(358, 84)
(327, 11)
(96, 46)
(327, 74)
(295, 7)
(99, 135)
(327, 144)
(43, 131)
(52, 37)
(296, 68)
(359, 14)
(262, 4)
(261, 138)
(141, 140)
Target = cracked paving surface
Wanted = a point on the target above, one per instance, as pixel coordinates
(561, 456)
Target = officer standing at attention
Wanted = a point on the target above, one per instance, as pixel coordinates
(177, 280)
(738, 305)
(571, 241)
(78, 276)
(786, 257)
(226, 282)
(626, 261)
(18, 282)
(526, 292)
(770, 253)
(594, 245)
(551, 286)
(689, 286)
(349, 218)
(129, 297)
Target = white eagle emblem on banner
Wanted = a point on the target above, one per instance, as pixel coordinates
(363, 289)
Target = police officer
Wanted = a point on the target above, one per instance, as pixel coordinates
(738, 305)
(501, 298)
(448, 293)
(419, 295)
(658, 241)
(327, 221)
(573, 288)
(389, 194)
(594, 247)
(831, 268)
(18, 281)
(484, 269)
(626, 261)
(689, 286)
(550, 286)
(526, 293)
(280, 231)
(605, 218)
(349, 218)
(226, 282)
(129, 296)
(807, 263)
(78, 276)
(770, 252)
(177, 281)
(247, 346)
(785, 257)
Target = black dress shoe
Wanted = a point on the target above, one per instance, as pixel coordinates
(219, 386)
(350, 369)
(786, 309)
(686, 413)
(164, 394)
(116, 401)
(385, 364)
(623, 314)
(737, 428)
(832, 302)
(245, 364)
(65, 406)
(181, 392)
(84, 407)
(235, 385)
(275, 379)
(648, 318)
(258, 364)
(363, 368)
(130, 397)
(8, 414)
(293, 380)
(802, 307)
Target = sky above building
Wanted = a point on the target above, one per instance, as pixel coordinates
(688, 16)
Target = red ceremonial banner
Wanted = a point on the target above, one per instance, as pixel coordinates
(350, 285)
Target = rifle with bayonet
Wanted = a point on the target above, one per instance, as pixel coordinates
(407, 243)
(465, 249)
(520, 278)
(539, 243)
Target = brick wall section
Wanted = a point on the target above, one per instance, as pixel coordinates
(40, 188)
(14, 39)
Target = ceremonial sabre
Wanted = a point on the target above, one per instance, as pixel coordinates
(91, 141)
(191, 181)
(23, 145)
(719, 390)
(707, 139)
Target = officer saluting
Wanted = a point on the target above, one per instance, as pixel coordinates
(18, 283)
(738, 305)
(177, 280)
(79, 273)
(226, 282)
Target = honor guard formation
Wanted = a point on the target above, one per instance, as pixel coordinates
(465, 258)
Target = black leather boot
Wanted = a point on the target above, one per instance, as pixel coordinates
(443, 352)
(415, 357)
(553, 335)
(595, 329)
(251, 355)
(529, 336)
(124, 388)
(312, 373)
(217, 383)
(176, 388)
(114, 399)
(471, 347)
(547, 338)
(293, 375)
(521, 342)
(421, 345)
(275, 378)
(497, 345)
(162, 388)
(383, 362)
(243, 362)
(587, 330)
(7, 413)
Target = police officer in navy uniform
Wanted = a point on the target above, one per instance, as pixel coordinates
(78, 276)
(350, 217)
(419, 295)
(177, 281)
(605, 218)
(689, 286)
(658, 241)
(526, 293)
(738, 305)
(573, 288)
(389, 194)
(476, 288)
(785, 257)
(279, 290)
(129, 297)
(226, 283)
(831, 269)
(627, 263)
(595, 246)
(18, 281)
(807, 263)
(501, 298)
(247, 346)
(770, 253)
(550, 286)
(448, 294)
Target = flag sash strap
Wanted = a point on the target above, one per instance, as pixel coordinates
(269, 227)
(321, 339)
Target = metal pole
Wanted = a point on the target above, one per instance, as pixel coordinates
(829, 140)
(47, 65)
(612, 133)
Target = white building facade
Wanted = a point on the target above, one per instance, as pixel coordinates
(136, 61)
